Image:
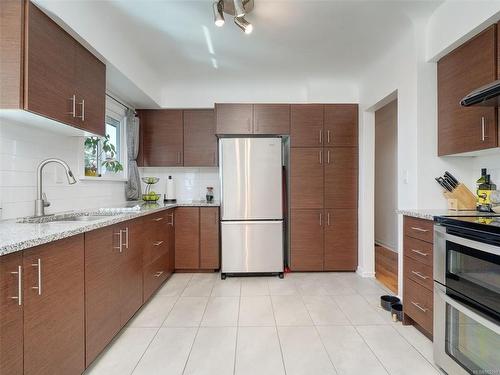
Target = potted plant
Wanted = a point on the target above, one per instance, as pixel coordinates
(106, 156)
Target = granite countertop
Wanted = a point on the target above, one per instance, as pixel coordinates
(16, 236)
(430, 214)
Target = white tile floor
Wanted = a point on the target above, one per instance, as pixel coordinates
(308, 323)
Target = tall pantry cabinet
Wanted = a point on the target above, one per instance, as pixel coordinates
(324, 187)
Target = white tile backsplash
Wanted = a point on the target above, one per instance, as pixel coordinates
(190, 183)
(492, 164)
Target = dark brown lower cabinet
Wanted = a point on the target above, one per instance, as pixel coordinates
(53, 291)
(341, 240)
(11, 313)
(307, 240)
(209, 238)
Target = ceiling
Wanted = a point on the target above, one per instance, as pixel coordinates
(292, 40)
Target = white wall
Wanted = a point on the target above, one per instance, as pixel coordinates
(386, 164)
(190, 183)
(21, 149)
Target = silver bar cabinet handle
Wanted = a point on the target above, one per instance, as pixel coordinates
(483, 129)
(419, 229)
(120, 235)
(73, 106)
(419, 252)
(158, 219)
(82, 104)
(158, 274)
(328, 219)
(178, 157)
(328, 136)
(418, 306)
(328, 157)
(320, 220)
(38, 264)
(157, 243)
(320, 136)
(19, 285)
(126, 237)
(172, 221)
(321, 156)
(419, 275)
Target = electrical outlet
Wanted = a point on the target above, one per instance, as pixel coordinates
(405, 177)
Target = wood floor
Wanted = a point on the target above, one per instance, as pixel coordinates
(386, 267)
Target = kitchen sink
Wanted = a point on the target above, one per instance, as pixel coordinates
(80, 218)
(69, 217)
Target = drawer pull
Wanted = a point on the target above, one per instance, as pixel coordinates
(419, 307)
(420, 229)
(19, 285)
(38, 265)
(158, 219)
(419, 252)
(158, 274)
(416, 273)
(158, 243)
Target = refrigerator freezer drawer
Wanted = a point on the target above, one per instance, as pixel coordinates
(252, 246)
(251, 178)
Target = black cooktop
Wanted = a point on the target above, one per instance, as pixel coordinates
(487, 224)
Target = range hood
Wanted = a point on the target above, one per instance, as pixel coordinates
(486, 96)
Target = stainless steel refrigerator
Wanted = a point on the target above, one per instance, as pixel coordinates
(251, 205)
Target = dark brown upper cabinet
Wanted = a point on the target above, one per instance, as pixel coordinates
(200, 142)
(47, 72)
(341, 125)
(271, 119)
(233, 118)
(468, 67)
(162, 137)
(306, 126)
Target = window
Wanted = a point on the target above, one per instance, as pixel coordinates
(106, 156)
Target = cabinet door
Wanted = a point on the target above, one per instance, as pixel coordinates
(209, 238)
(131, 275)
(200, 142)
(341, 240)
(11, 311)
(470, 66)
(50, 69)
(54, 333)
(341, 177)
(306, 177)
(162, 138)
(187, 238)
(102, 289)
(341, 125)
(90, 91)
(306, 126)
(271, 119)
(307, 240)
(234, 118)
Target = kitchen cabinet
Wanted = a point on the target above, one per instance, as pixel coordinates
(53, 291)
(187, 238)
(162, 137)
(102, 289)
(209, 238)
(271, 119)
(197, 238)
(48, 72)
(307, 242)
(341, 125)
(341, 177)
(341, 240)
(306, 125)
(418, 273)
(11, 311)
(158, 261)
(233, 118)
(200, 142)
(306, 178)
(468, 67)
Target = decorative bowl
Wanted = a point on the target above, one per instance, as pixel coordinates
(150, 197)
(150, 180)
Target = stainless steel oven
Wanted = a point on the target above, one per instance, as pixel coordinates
(466, 300)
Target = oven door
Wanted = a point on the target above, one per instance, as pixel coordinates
(465, 340)
(470, 268)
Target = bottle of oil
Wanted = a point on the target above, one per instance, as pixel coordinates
(484, 189)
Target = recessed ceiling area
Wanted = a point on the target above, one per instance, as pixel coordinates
(179, 44)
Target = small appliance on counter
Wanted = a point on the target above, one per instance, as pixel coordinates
(170, 191)
(484, 189)
(458, 196)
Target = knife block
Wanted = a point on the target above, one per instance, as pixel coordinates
(461, 199)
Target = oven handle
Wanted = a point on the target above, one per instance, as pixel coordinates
(466, 242)
(465, 310)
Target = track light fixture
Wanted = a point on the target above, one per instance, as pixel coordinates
(236, 8)
(218, 13)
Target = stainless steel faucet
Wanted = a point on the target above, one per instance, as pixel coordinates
(41, 201)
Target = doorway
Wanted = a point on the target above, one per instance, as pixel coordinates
(386, 220)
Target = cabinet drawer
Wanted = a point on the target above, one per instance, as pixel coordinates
(418, 304)
(418, 250)
(419, 228)
(154, 250)
(418, 272)
(155, 274)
